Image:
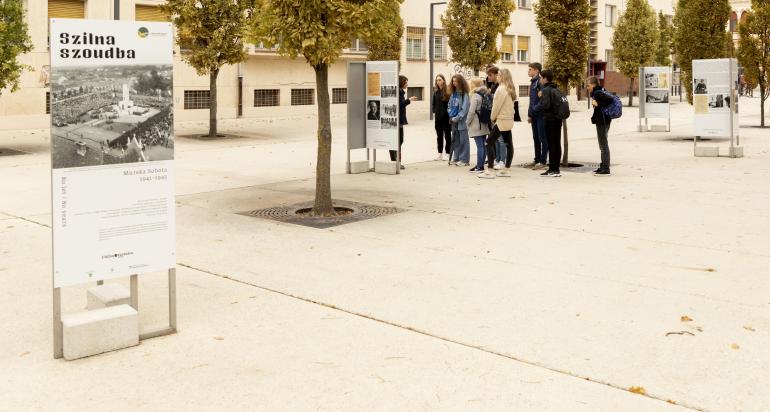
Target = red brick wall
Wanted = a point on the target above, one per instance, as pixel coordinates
(616, 83)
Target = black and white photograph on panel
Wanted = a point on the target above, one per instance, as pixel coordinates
(389, 91)
(389, 110)
(717, 101)
(700, 86)
(651, 80)
(373, 110)
(389, 123)
(656, 96)
(111, 115)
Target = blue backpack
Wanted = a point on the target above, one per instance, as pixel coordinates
(615, 110)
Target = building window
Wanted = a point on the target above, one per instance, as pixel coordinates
(339, 95)
(733, 22)
(610, 59)
(47, 102)
(525, 4)
(415, 42)
(414, 91)
(359, 46)
(151, 13)
(439, 44)
(523, 91)
(302, 97)
(267, 97)
(522, 51)
(196, 99)
(506, 48)
(609, 15)
(66, 9)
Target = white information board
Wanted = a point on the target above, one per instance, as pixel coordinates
(382, 120)
(656, 83)
(112, 149)
(715, 101)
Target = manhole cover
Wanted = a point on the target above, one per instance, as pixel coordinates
(206, 137)
(11, 152)
(350, 212)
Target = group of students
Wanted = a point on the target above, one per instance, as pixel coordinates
(486, 111)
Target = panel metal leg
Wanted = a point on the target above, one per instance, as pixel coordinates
(135, 292)
(58, 337)
(172, 299)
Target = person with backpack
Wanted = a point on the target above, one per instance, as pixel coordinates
(537, 122)
(554, 108)
(502, 116)
(459, 104)
(441, 117)
(602, 101)
(478, 120)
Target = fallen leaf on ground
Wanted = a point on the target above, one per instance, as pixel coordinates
(23, 354)
(749, 328)
(671, 402)
(219, 338)
(735, 346)
(637, 390)
(685, 318)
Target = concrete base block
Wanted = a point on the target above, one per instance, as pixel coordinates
(707, 151)
(111, 294)
(388, 168)
(97, 331)
(736, 151)
(659, 128)
(359, 167)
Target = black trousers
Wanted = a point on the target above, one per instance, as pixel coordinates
(508, 140)
(394, 153)
(494, 133)
(602, 129)
(553, 133)
(443, 134)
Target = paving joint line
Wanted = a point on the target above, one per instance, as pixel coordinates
(445, 339)
(12, 216)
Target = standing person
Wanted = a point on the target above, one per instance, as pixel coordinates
(441, 117)
(502, 117)
(459, 104)
(494, 135)
(600, 100)
(477, 129)
(549, 99)
(403, 83)
(537, 122)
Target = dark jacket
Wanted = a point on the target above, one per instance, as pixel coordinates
(440, 106)
(534, 99)
(402, 103)
(492, 87)
(545, 107)
(603, 99)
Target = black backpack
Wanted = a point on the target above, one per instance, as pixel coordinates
(560, 104)
(484, 111)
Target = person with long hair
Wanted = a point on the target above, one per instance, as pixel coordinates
(459, 104)
(503, 110)
(403, 83)
(441, 117)
(477, 129)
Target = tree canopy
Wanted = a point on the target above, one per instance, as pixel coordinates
(15, 41)
(663, 49)
(473, 26)
(564, 24)
(388, 46)
(635, 40)
(754, 49)
(699, 33)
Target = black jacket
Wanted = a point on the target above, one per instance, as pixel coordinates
(402, 103)
(440, 106)
(603, 99)
(545, 106)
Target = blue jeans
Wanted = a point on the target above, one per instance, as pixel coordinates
(500, 150)
(461, 148)
(481, 151)
(540, 139)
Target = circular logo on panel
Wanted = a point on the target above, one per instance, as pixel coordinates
(143, 32)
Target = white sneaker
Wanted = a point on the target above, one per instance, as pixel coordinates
(444, 157)
(462, 164)
(499, 166)
(503, 173)
(439, 158)
(453, 162)
(486, 175)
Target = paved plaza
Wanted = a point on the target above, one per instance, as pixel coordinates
(644, 291)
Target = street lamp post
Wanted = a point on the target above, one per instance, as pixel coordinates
(117, 9)
(431, 51)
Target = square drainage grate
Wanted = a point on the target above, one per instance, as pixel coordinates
(11, 152)
(351, 212)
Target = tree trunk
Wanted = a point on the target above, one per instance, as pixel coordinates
(213, 103)
(762, 97)
(323, 193)
(565, 154)
(631, 93)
